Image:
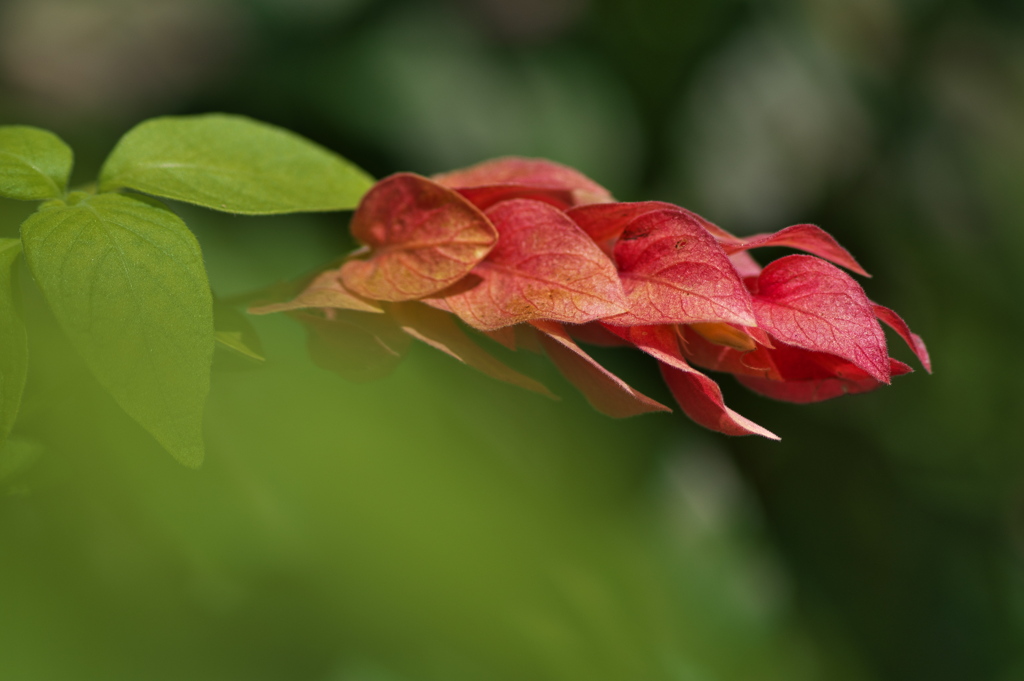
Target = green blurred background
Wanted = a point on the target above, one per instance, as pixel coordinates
(437, 525)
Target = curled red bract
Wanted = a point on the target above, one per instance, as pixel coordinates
(535, 255)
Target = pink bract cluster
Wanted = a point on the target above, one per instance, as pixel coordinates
(534, 254)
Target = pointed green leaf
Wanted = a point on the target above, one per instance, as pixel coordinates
(233, 164)
(13, 342)
(235, 334)
(124, 277)
(235, 342)
(34, 163)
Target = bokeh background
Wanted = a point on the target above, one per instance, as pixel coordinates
(439, 526)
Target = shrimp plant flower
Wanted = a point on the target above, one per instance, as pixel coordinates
(535, 255)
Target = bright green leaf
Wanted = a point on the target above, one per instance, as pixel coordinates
(13, 342)
(34, 163)
(233, 164)
(124, 277)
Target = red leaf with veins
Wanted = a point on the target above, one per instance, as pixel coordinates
(423, 238)
(605, 391)
(698, 396)
(326, 290)
(816, 390)
(810, 238)
(915, 342)
(804, 301)
(674, 272)
(544, 267)
(744, 264)
(605, 222)
(440, 331)
(527, 172)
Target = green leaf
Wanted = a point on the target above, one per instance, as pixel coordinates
(233, 164)
(234, 333)
(13, 341)
(235, 342)
(34, 164)
(124, 277)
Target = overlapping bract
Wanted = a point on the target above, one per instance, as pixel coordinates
(534, 254)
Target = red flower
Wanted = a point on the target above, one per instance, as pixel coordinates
(534, 254)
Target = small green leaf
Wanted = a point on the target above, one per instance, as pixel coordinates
(34, 164)
(235, 333)
(124, 277)
(13, 341)
(235, 342)
(233, 164)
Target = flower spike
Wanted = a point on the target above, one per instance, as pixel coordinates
(537, 256)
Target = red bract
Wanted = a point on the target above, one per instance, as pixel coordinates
(543, 267)
(674, 272)
(421, 239)
(535, 255)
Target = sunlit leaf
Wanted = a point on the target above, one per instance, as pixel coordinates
(674, 272)
(811, 304)
(124, 277)
(422, 238)
(543, 267)
(440, 331)
(13, 341)
(537, 173)
(34, 164)
(605, 391)
(233, 164)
